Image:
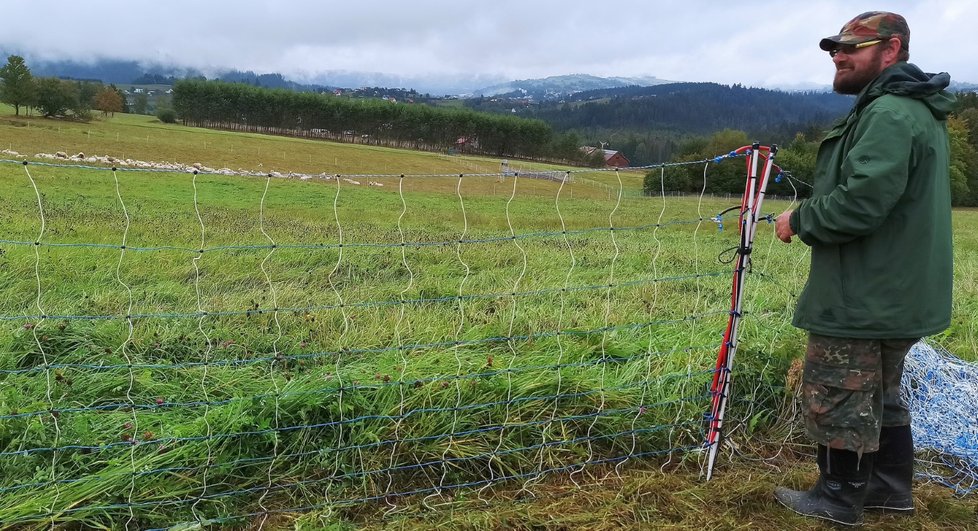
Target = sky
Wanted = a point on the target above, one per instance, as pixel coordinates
(762, 44)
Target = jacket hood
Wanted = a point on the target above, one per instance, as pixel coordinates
(906, 79)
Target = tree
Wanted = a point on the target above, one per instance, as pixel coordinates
(122, 98)
(595, 158)
(55, 97)
(964, 163)
(725, 177)
(798, 158)
(970, 116)
(16, 84)
(141, 104)
(87, 91)
(108, 101)
(166, 115)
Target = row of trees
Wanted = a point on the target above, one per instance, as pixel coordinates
(242, 107)
(54, 97)
(798, 157)
(727, 176)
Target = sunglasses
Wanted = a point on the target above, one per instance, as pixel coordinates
(850, 49)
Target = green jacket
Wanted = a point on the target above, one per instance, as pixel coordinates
(879, 219)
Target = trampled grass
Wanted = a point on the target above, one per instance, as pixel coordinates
(265, 344)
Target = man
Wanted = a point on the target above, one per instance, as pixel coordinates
(879, 225)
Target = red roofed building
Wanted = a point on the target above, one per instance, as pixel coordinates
(612, 158)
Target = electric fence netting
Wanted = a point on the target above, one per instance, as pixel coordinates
(203, 349)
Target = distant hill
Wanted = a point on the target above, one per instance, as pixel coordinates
(132, 72)
(693, 108)
(957, 86)
(559, 87)
(127, 72)
(271, 81)
(106, 71)
(647, 124)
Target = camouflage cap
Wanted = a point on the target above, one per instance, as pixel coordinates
(870, 26)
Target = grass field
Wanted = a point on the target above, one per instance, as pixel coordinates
(361, 341)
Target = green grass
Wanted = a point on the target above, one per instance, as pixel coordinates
(141, 137)
(308, 336)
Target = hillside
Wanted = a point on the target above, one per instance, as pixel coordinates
(692, 108)
(648, 124)
(562, 87)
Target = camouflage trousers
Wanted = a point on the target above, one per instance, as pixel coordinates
(851, 388)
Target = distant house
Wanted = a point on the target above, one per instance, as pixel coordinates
(612, 158)
(467, 142)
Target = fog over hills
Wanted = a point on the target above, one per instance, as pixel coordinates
(126, 71)
(556, 86)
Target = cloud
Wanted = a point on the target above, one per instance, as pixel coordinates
(692, 40)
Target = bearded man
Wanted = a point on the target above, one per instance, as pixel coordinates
(879, 227)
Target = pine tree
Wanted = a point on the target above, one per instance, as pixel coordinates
(16, 84)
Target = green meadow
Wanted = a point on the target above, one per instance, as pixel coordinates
(406, 339)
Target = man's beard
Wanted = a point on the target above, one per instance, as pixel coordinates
(854, 81)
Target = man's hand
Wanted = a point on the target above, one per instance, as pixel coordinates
(782, 228)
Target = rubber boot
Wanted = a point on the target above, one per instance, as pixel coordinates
(840, 491)
(891, 483)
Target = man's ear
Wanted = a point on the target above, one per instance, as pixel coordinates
(891, 51)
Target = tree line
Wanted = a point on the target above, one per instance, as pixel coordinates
(55, 97)
(237, 106)
(798, 157)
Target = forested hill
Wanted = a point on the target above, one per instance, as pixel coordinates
(692, 108)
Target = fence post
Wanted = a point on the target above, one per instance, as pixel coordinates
(748, 220)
